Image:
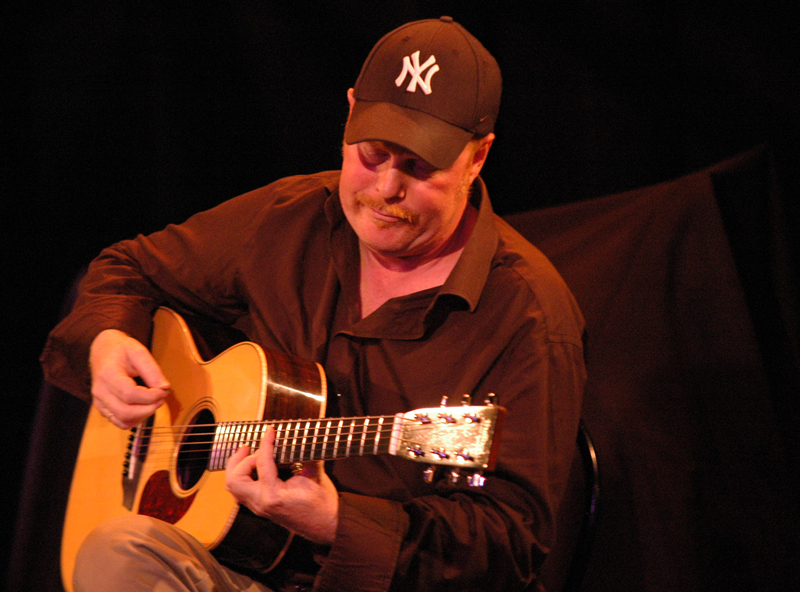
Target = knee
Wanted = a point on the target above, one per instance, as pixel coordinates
(113, 537)
(109, 551)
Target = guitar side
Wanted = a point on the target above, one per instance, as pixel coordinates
(236, 385)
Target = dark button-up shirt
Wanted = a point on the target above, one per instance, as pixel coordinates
(282, 264)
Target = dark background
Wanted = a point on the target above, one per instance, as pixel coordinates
(121, 117)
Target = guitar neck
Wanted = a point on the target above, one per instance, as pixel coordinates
(309, 439)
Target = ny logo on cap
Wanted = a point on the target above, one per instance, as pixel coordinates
(411, 66)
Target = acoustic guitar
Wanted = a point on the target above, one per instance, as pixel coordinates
(171, 466)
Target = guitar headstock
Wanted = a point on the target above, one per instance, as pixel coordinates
(465, 436)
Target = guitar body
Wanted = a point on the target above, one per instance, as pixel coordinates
(244, 382)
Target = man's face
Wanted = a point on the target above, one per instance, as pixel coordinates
(398, 204)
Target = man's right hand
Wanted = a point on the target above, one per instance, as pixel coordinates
(116, 360)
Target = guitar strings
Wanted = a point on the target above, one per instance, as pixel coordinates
(159, 434)
(289, 428)
(298, 438)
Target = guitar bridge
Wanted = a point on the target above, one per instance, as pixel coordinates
(138, 443)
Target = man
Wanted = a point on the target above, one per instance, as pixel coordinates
(396, 276)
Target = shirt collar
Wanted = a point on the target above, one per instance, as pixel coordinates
(409, 317)
(472, 269)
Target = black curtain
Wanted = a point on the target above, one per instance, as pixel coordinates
(693, 415)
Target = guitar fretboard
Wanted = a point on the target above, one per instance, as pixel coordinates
(308, 439)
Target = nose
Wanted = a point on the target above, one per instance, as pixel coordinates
(389, 183)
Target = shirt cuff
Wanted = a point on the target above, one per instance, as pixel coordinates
(368, 538)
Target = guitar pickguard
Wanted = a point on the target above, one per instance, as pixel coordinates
(158, 501)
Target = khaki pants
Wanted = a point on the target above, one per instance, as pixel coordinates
(138, 553)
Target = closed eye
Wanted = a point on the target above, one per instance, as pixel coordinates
(419, 168)
(373, 154)
(370, 155)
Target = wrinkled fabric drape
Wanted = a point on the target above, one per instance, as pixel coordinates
(695, 475)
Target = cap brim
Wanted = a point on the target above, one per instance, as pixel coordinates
(435, 141)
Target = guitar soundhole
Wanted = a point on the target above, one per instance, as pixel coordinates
(195, 450)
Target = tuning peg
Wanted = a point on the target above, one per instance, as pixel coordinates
(455, 475)
(491, 399)
(466, 400)
(443, 402)
(427, 474)
(476, 479)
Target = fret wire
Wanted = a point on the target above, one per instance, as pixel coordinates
(219, 445)
(297, 442)
(303, 442)
(313, 452)
(218, 449)
(262, 428)
(350, 436)
(281, 428)
(338, 438)
(231, 444)
(363, 436)
(242, 441)
(314, 441)
(378, 435)
(212, 461)
(308, 429)
(313, 436)
(226, 449)
(236, 439)
(293, 430)
(325, 438)
(300, 442)
(287, 456)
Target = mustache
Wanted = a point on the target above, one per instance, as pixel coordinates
(384, 208)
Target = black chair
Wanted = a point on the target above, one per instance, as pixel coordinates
(565, 567)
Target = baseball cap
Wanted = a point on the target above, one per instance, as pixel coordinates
(428, 86)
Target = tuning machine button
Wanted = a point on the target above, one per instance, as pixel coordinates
(428, 474)
(476, 479)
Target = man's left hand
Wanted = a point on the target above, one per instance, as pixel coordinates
(307, 503)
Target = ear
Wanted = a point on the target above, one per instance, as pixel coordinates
(351, 98)
(480, 154)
